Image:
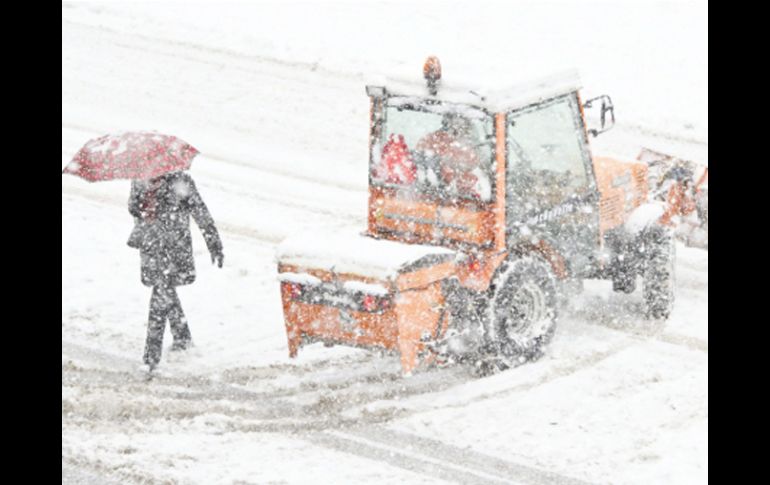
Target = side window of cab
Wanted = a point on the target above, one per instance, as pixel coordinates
(548, 159)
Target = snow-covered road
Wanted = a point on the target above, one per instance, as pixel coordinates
(280, 117)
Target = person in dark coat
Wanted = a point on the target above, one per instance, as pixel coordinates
(162, 208)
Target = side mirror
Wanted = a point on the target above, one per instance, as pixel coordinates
(606, 107)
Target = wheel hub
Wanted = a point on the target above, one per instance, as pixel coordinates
(525, 308)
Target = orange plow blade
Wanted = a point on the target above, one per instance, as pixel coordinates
(363, 292)
(683, 186)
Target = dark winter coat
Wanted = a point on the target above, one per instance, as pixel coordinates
(162, 208)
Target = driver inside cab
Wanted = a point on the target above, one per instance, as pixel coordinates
(449, 159)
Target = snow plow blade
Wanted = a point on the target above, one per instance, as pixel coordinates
(683, 186)
(360, 291)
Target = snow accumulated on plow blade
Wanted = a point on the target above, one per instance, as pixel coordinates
(356, 290)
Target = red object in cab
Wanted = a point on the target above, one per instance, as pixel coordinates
(396, 162)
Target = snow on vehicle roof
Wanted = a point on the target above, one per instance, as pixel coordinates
(351, 252)
(495, 98)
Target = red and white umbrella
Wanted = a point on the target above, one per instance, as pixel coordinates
(131, 155)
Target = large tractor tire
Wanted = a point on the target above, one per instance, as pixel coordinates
(659, 277)
(522, 309)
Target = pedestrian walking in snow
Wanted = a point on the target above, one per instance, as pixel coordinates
(163, 197)
(162, 207)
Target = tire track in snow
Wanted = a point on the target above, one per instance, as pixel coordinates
(639, 329)
(558, 371)
(85, 471)
(394, 455)
(468, 458)
(684, 341)
(310, 404)
(332, 397)
(185, 397)
(264, 412)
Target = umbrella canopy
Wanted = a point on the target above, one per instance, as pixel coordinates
(131, 155)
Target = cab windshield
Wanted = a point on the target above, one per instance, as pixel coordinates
(439, 151)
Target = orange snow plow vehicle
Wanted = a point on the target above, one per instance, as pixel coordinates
(484, 206)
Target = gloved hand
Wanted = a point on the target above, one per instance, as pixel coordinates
(218, 258)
